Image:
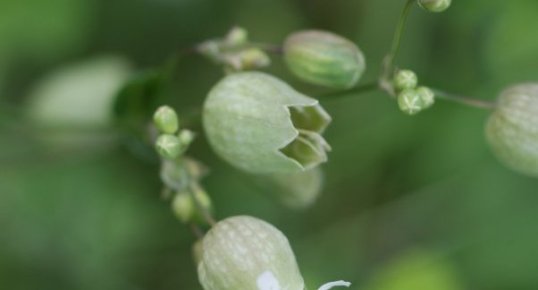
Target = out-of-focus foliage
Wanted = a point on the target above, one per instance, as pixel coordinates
(77, 218)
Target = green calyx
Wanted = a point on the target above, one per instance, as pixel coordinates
(435, 5)
(512, 129)
(243, 252)
(324, 58)
(260, 124)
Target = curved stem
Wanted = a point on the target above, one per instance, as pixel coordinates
(472, 102)
(396, 41)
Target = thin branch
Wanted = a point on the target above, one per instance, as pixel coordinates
(396, 41)
(472, 102)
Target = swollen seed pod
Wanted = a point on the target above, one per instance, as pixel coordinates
(405, 79)
(512, 129)
(435, 5)
(166, 120)
(324, 58)
(247, 253)
(243, 252)
(260, 124)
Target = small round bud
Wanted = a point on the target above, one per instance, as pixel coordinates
(247, 253)
(405, 79)
(253, 58)
(166, 120)
(169, 146)
(186, 137)
(183, 206)
(237, 36)
(427, 96)
(512, 129)
(260, 124)
(435, 5)
(410, 102)
(324, 58)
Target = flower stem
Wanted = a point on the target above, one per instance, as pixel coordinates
(472, 102)
(396, 41)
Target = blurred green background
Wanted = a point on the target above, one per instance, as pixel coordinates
(409, 203)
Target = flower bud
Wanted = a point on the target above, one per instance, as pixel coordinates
(260, 124)
(247, 253)
(410, 102)
(512, 129)
(166, 120)
(405, 79)
(324, 58)
(427, 96)
(186, 137)
(183, 206)
(179, 174)
(197, 251)
(237, 36)
(169, 146)
(435, 5)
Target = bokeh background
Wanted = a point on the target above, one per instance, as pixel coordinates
(410, 203)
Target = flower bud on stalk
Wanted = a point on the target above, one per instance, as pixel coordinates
(324, 58)
(245, 253)
(260, 124)
(512, 129)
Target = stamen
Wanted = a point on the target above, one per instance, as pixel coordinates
(330, 285)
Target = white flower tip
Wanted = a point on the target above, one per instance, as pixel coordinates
(330, 285)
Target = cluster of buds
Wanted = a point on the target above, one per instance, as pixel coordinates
(235, 52)
(412, 99)
(171, 142)
(180, 175)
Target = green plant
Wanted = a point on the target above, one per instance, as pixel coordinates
(261, 125)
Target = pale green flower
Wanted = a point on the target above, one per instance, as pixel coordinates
(512, 129)
(260, 124)
(245, 253)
